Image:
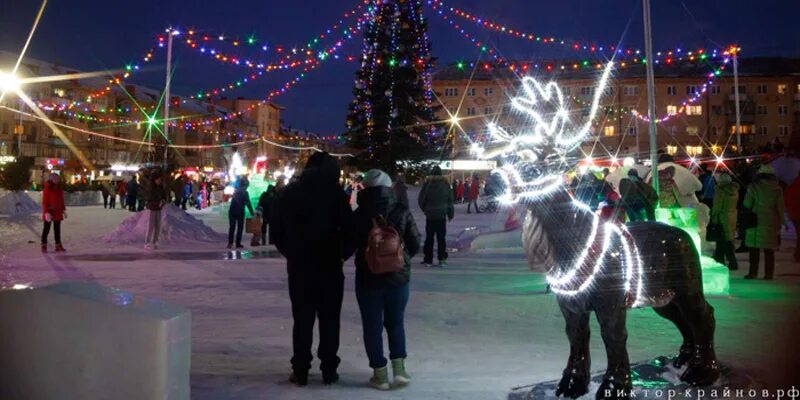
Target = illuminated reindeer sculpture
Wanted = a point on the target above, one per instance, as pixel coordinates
(595, 265)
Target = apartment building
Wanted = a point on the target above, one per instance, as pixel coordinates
(769, 96)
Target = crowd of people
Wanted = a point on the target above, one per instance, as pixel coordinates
(317, 225)
(737, 200)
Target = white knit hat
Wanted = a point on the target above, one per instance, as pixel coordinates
(376, 177)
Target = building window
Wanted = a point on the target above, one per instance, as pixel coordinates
(716, 130)
(783, 130)
(783, 110)
(566, 90)
(671, 90)
(761, 89)
(630, 90)
(694, 151)
(692, 130)
(783, 88)
(632, 131)
(762, 130)
(745, 129)
(5, 129)
(608, 130)
(715, 89)
(451, 92)
(672, 110)
(59, 92)
(741, 89)
(506, 109)
(470, 111)
(672, 130)
(694, 110)
(672, 150)
(761, 110)
(471, 92)
(587, 91)
(716, 110)
(691, 90)
(488, 110)
(488, 91)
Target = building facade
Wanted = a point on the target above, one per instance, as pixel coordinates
(769, 95)
(107, 124)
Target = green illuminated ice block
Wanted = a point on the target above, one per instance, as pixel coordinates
(716, 277)
(258, 185)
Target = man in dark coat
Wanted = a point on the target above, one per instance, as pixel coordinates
(236, 213)
(264, 206)
(436, 200)
(310, 227)
(132, 193)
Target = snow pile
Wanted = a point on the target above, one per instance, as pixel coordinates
(177, 226)
(84, 198)
(17, 203)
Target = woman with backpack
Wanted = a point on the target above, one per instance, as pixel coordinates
(386, 237)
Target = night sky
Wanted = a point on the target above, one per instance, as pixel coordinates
(94, 35)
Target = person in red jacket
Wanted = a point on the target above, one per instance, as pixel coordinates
(122, 192)
(474, 193)
(53, 211)
(791, 197)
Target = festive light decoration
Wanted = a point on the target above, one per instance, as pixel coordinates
(692, 98)
(392, 115)
(548, 142)
(676, 54)
(547, 139)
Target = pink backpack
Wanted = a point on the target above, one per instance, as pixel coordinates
(385, 250)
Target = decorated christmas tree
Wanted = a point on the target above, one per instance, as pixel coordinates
(391, 115)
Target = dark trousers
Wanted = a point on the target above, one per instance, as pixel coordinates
(177, 201)
(264, 224)
(122, 203)
(383, 308)
(769, 262)
(469, 206)
(131, 203)
(437, 228)
(235, 223)
(316, 297)
(724, 251)
(636, 214)
(56, 231)
(112, 201)
(183, 202)
(105, 200)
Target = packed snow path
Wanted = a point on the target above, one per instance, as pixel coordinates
(475, 329)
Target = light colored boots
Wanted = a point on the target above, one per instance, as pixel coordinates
(401, 377)
(380, 378)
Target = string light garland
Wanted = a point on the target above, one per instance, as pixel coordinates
(283, 89)
(691, 100)
(673, 55)
(627, 58)
(176, 146)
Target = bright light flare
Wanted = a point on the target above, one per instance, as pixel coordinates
(10, 82)
(628, 161)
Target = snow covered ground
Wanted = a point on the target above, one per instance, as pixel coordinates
(476, 329)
